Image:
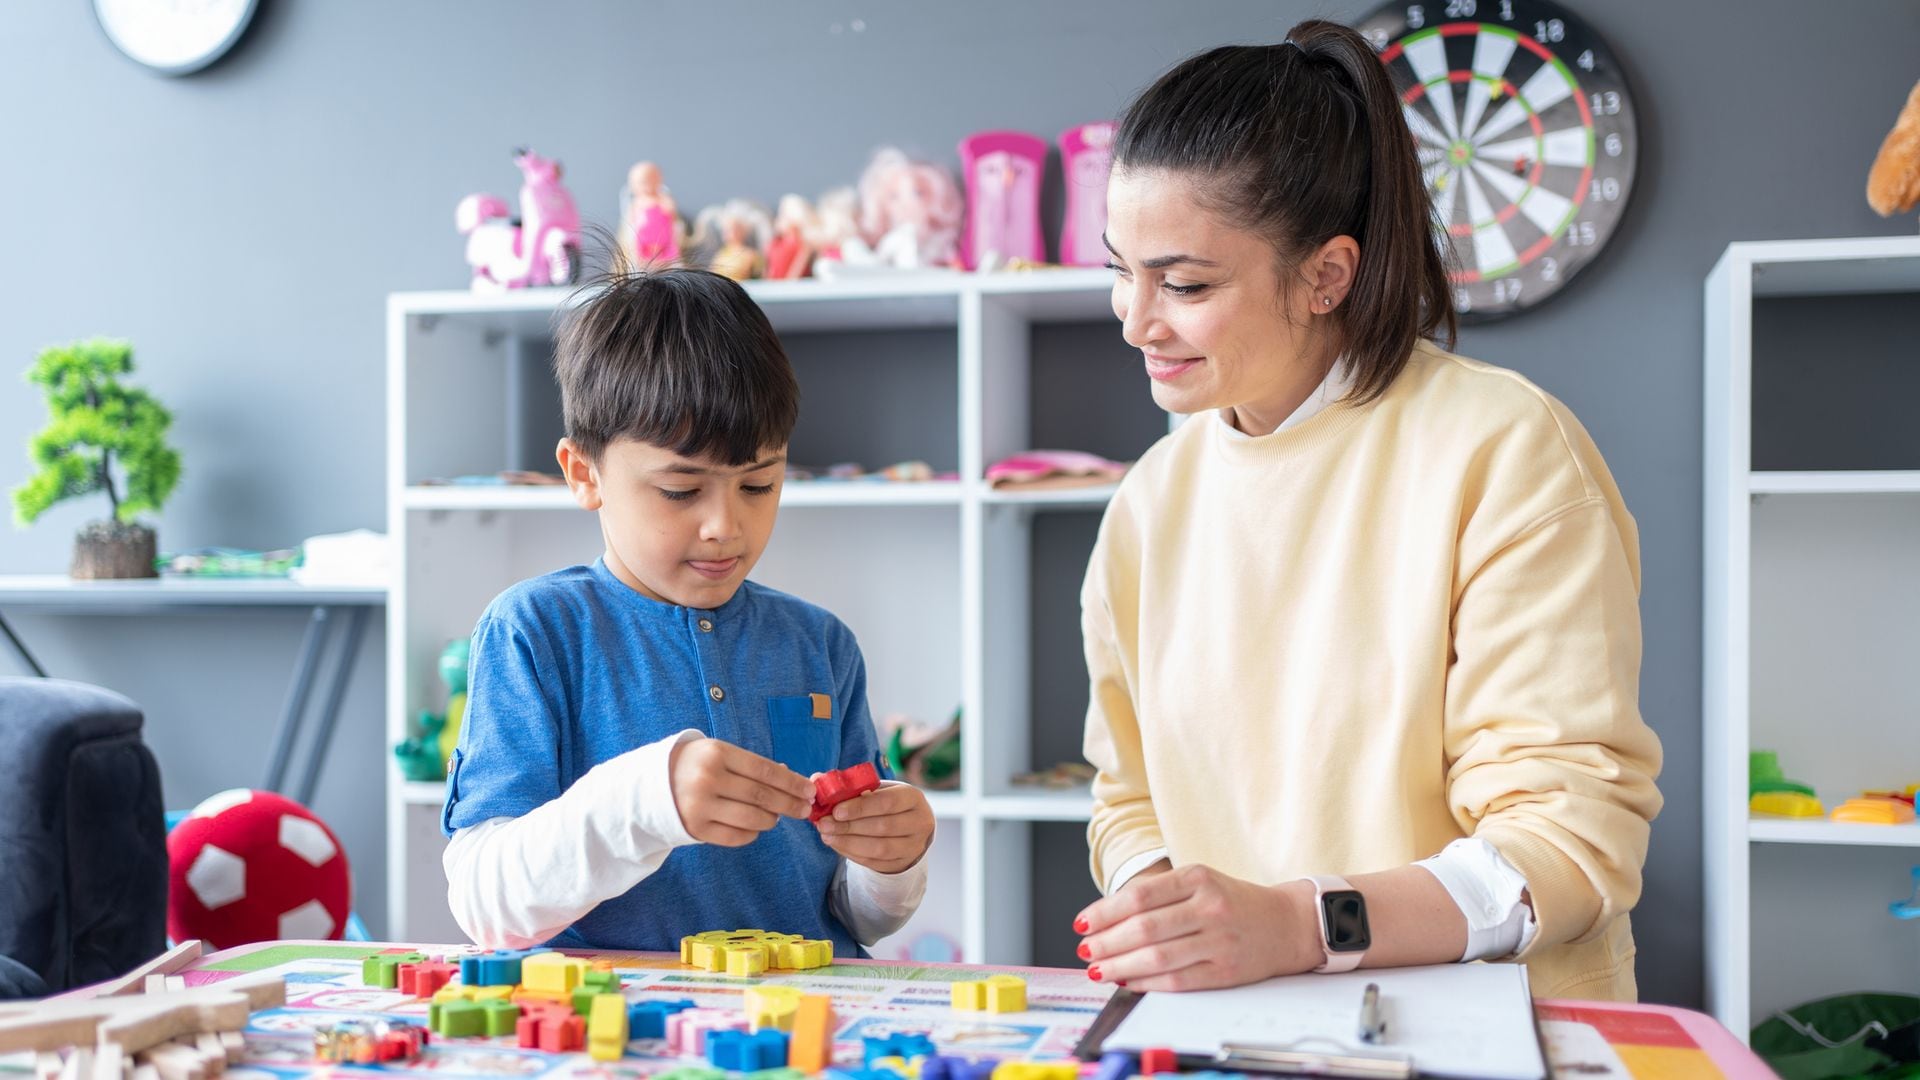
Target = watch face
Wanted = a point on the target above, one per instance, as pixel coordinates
(1343, 915)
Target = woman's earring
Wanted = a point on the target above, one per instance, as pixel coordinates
(1326, 301)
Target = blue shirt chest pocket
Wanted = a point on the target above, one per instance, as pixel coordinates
(804, 740)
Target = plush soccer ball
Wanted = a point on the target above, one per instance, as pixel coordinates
(255, 866)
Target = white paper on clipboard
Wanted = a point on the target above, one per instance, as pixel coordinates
(1449, 1020)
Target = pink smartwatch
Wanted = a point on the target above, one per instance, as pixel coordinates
(1344, 935)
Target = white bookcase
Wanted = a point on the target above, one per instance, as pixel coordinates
(1811, 617)
(933, 577)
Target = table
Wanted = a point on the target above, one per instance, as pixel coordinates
(330, 606)
(874, 997)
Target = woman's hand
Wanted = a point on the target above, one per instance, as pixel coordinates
(1195, 928)
(887, 829)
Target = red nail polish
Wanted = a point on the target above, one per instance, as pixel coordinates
(1121, 984)
(1080, 925)
(1094, 973)
(1085, 953)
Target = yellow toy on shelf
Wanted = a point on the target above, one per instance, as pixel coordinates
(1790, 804)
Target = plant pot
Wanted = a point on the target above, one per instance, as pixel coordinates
(113, 549)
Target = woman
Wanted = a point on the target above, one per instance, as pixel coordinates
(1363, 634)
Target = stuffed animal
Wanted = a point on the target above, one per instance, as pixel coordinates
(1893, 186)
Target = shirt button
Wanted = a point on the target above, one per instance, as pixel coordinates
(706, 626)
(716, 693)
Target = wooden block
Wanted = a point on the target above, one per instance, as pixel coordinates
(145, 1072)
(235, 1045)
(175, 1062)
(79, 1064)
(134, 1022)
(166, 963)
(811, 1048)
(211, 1052)
(607, 1028)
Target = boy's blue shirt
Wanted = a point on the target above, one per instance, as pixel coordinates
(575, 668)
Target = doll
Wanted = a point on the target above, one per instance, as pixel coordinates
(1086, 157)
(790, 252)
(650, 221)
(731, 237)
(909, 215)
(1003, 170)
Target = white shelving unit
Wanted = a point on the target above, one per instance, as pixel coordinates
(933, 577)
(1811, 622)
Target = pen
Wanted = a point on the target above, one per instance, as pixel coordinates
(1372, 1027)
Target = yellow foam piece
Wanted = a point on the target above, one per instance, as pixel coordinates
(1006, 993)
(1786, 804)
(552, 973)
(801, 954)
(970, 996)
(899, 1066)
(746, 960)
(713, 950)
(772, 1007)
(607, 1027)
(1036, 1070)
(459, 992)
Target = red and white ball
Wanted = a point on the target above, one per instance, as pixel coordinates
(254, 866)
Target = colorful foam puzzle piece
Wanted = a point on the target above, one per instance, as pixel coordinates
(804, 954)
(607, 1028)
(905, 1045)
(501, 1017)
(383, 969)
(904, 1068)
(772, 1007)
(811, 1048)
(939, 1067)
(1115, 1065)
(457, 1019)
(499, 967)
(532, 1016)
(995, 993)
(1036, 1070)
(688, 1029)
(742, 1051)
(550, 974)
(746, 961)
(836, 787)
(648, 1019)
(1158, 1059)
(425, 978)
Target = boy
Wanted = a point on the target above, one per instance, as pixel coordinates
(640, 733)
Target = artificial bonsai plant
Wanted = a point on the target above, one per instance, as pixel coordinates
(104, 436)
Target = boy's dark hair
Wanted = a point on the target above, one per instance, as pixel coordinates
(682, 359)
(1302, 142)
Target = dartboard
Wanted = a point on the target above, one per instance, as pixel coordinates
(1526, 137)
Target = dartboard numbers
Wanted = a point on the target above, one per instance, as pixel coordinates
(1525, 132)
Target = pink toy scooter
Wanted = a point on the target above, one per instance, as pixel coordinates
(542, 247)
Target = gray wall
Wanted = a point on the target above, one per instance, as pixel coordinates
(244, 225)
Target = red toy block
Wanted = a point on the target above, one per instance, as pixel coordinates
(1157, 1059)
(526, 1031)
(563, 1034)
(424, 979)
(838, 786)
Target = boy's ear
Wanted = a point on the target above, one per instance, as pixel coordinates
(583, 478)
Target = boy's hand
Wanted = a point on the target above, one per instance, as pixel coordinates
(885, 830)
(729, 796)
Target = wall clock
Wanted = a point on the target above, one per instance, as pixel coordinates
(1526, 137)
(174, 37)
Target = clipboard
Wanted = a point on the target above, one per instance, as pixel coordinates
(1305, 1058)
(1318, 1054)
